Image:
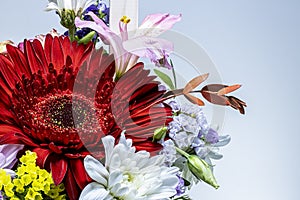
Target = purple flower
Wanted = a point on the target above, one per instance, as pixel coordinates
(8, 153)
(175, 106)
(212, 136)
(180, 187)
(169, 152)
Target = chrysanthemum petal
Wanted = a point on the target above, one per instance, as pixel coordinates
(96, 170)
(108, 143)
(94, 191)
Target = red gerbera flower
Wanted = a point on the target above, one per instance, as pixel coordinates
(61, 99)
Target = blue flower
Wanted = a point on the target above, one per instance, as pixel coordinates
(100, 9)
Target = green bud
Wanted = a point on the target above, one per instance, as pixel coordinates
(67, 18)
(202, 170)
(86, 39)
(160, 133)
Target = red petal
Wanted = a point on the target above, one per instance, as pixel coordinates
(149, 146)
(7, 72)
(34, 62)
(6, 129)
(59, 167)
(26, 140)
(81, 177)
(57, 55)
(71, 186)
(42, 155)
(48, 47)
(38, 48)
(19, 60)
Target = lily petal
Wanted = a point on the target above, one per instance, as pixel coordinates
(148, 47)
(156, 24)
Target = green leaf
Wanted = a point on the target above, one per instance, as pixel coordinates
(165, 78)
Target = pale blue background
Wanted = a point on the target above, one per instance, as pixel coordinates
(256, 43)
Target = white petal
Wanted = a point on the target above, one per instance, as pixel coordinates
(114, 178)
(109, 143)
(51, 6)
(93, 191)
(96, 170)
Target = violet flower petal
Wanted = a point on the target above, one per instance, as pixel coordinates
(10, 152)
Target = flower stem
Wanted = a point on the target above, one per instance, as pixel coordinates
(185, 154)
(72, 32)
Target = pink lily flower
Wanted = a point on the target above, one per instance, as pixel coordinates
(144, 43)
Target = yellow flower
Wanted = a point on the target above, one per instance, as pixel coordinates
(26, 179)
(8, 189)
(14, 198)
(31, 182)
(4, 178)
(43, 174)
(37, 185)
(21, 170)
(19, 185)
(46, 188)
(33, 195)
(28, 158)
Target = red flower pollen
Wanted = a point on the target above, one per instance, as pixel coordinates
(61, 99)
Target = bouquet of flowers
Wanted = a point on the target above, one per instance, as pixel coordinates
(81, 118)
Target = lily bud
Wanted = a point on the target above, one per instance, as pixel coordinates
(86, 39)
(201, 170)
(160, 133)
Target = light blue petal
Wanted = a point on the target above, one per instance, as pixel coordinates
(223, 140)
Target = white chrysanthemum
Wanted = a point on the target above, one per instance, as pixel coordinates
(128, 175)
(77, 5)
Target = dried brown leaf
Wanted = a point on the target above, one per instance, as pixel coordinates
(194, 100)
(194, 83)
(228, 89)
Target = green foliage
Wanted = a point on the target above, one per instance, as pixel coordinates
(165, 78)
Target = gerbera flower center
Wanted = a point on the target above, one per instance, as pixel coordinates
(62, 118)
(60, 111)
